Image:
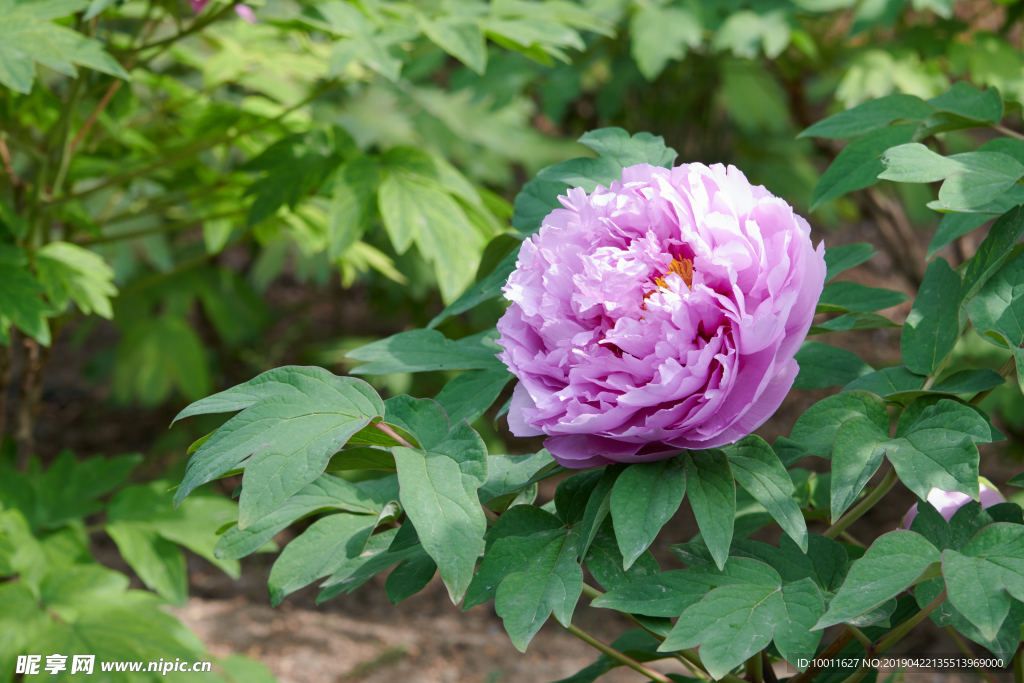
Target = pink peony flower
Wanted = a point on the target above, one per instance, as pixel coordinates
(198, 5)
(659, 314)
(948, 502)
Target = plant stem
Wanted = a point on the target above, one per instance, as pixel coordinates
(894, 636)
(1008, 132)
(625, 660)
(755, 669)
(196, 26)
(393, 434)
(967, 651)
(859, 635)
(858, 510)
(849, 538)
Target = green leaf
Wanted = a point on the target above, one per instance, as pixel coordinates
(735, 621)
(353, 209)
(839, 259)
(869, 116)
(572, 497)
(999, 305)
(158, 562)
(286, 436)
(69, 272)
(375, 558)
(852, 321)
(759, 471)
(952, 226)
(981, 579)
(998, 246)
(887, 381)
(462, 38)
(415, 211)
(28, 37)
(605, 561)
(858, 165)
(486, 289)
(598, 505)
(852, 296)
(712, 494)
(963, 382)
(985, 176)
(427, 350)
(410, 577)
(856, 455)
(439, 494)
(549, 584)
(659, 35)
(963, 99)
(915, 163)
(471, 394)
(20, 303)
(825, 561)
(318, 552)
(644, 498)
(617, 146)
(816, 429)
(534, 202)
(932, 328)
(361, 459)
(509, 477)
(823, 365)
(326, 493)
(893, 562)
(517, 536)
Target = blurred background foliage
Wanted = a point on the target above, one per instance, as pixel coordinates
(194, 192)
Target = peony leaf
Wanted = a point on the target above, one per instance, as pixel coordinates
(377, 556)
(999, 305)
(486, 289)
(963, 99)
(605, 561)
(426, 350)
(759, 471)
(822, 365)
(410, 577)
(816, 429)
(510, 476)
(644, 498)
(549, 584)
(851, 322)
(712, 494)
(839, 259)
(953, 226)
(856, 455)
(869, 116)
(326, 493)
(597, 508)
(887, 381)
(855, 297)
(999, 246)
(858, 165)
(293, 420)
(932, 328)
(439, 493)
(981, 579)
(472, 393)
(893, 562)
(461, 37)
(318, 552)
(824, 562)
(659, 35)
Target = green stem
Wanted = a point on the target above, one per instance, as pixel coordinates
(1009, 132)
(625, 660)
(833, 649)
(755, 668)
(860, 635)
(380, 426)
(197, 25)
(894, 636)
(849, 538)
(858, 510)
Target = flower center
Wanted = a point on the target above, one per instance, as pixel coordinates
(683, 267)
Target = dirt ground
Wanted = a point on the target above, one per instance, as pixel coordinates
(362, 637)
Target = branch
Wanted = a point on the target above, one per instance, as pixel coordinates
(619, 657)
(393, 434)
(894, 636)
(833, 649)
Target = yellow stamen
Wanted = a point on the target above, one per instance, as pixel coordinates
(683, 267)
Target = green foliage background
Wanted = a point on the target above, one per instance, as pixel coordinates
(182, 192)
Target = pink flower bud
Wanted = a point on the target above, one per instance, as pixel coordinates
(198, 5)
(246, 13)
(948, 502)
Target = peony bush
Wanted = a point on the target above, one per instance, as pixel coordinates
(658, 315)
